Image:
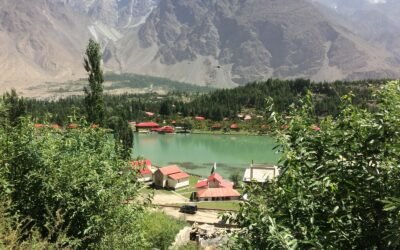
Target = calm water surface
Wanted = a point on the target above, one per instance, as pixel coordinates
(196, 154)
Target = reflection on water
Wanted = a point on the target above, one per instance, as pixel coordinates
(197, 153)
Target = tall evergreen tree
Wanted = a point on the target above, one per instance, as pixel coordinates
(16, 106)
(94, 93)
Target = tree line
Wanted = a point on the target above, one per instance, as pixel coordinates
(216, 105)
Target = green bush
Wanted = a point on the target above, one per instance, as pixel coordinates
(75, 176)
(339, 186)
(160, 229)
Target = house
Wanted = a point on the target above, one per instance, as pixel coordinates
(199, 118)
(260, 173)
(235, 127)
(216, 126)
(215, 188)
(166, 130)
(146, 126)
(149, 114)
(247, 118)
(170, 177)
(143, 168)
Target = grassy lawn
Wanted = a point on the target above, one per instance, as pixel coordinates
(187, 191)
(225, 205)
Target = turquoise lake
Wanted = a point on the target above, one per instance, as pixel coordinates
(196, 153)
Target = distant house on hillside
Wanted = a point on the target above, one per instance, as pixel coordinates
(235, 127)
(171, 177)
(199, 118)
(143, 168)
(216, 126)
(215, 188)
(260, 173)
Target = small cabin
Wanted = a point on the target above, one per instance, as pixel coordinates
(170, 177)
(235, 127)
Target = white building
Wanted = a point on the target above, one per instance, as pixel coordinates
(260, 173)
(171, 177)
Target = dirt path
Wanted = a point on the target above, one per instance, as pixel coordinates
(201, 216)
(172, 198)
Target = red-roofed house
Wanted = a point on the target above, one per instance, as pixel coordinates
(171, 177)
(150, 114)
(143, 168)
(146, 126)
(215, 188)
(215, 194)
(235, 127)
(199, 118)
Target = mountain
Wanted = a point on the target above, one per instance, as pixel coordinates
(376, 21)
(230, 42)
(40, 40)
(220, 43)
(44, 40)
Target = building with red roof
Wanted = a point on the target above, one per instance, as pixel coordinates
(166, 130)
(199, 118)
(216, 126)
(235, 127)
(171, 177)
(215, 194)
(215, 188)
(146, 126)
(143, 169)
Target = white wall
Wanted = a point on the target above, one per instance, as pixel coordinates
(175, 184)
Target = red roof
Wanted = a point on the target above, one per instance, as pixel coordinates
(38, 125)
(178, 176)
(143, 166)
(217, 192)
(202, 184)
(200, 118)
(234, 126)
(149, 113)
(215, 176)
(147, 125)
(173, 169)
(73, 125)
(226, 184)
(167, 129)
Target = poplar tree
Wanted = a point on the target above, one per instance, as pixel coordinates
(94, 102)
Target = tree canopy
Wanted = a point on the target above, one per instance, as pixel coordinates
(339, 185)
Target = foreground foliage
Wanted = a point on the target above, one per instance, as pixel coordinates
(160, 229)
(68, 182)
(339, 186)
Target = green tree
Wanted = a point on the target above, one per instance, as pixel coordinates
(339, 186)
(15, 105)
(94, 93)
(76, 176)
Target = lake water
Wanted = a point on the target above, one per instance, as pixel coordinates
(197, 153)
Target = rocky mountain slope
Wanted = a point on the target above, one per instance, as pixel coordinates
(234, 41)
(40, 40)
(212, 42)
